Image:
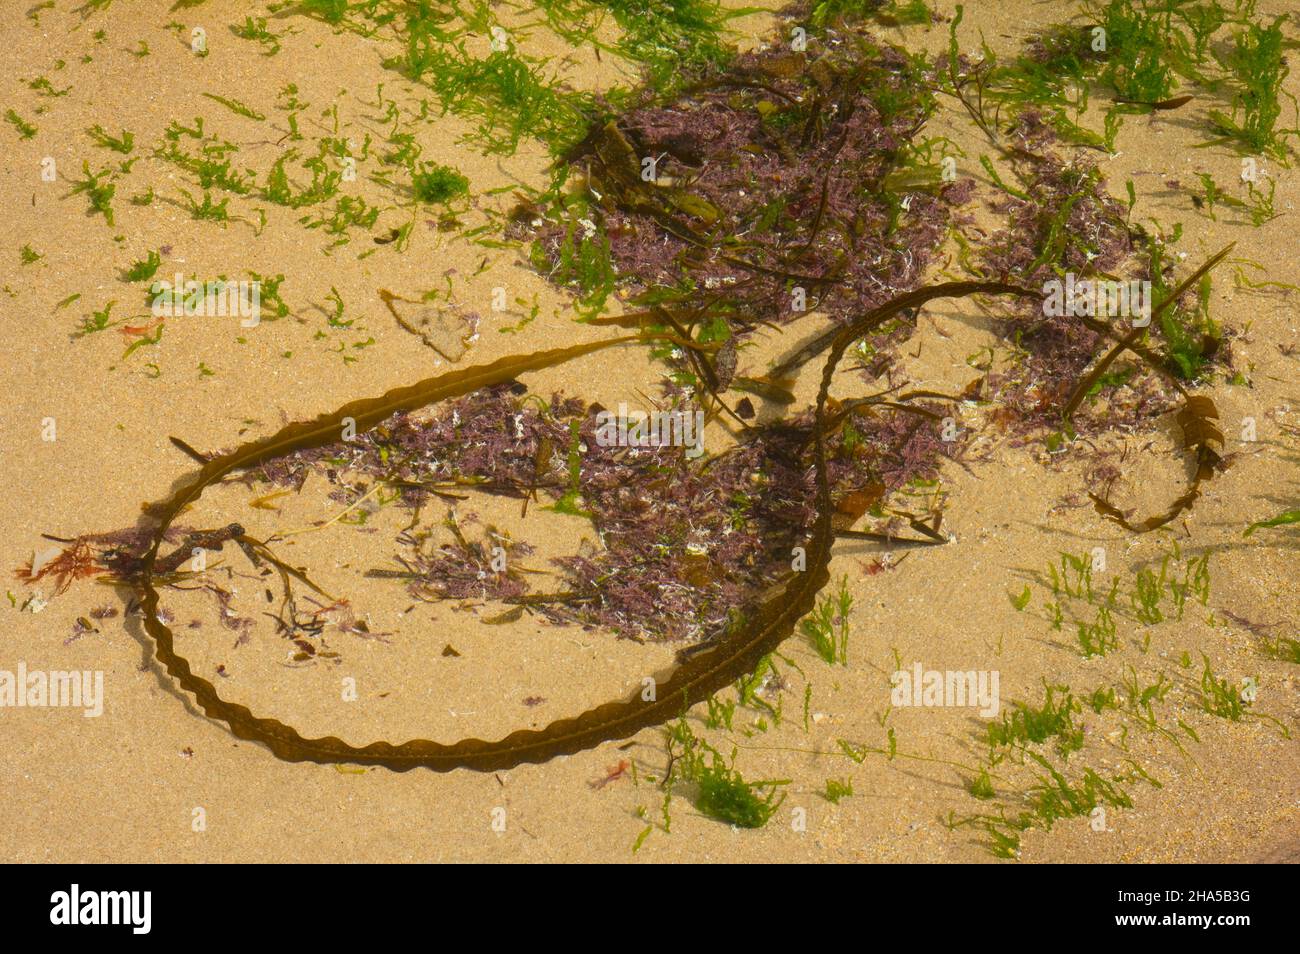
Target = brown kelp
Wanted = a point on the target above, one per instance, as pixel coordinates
(698, 677)
(788, 182)
(1196, 418)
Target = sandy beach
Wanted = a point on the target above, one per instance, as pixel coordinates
(89, 416)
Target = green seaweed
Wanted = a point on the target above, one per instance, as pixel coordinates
(235, 106)
(1285, 518)
(97, 191)
(720, 791)
(124, 144)
(144, 269)
(837, 790)
(1054, 719)
(1257, 66)
(25, 129)
(434, 183)
(827, 628)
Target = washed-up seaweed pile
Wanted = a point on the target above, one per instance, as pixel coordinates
(788, 172)
(1066, 222)
(786, 184)
(683, 545)
(800, 182)
(770, 176)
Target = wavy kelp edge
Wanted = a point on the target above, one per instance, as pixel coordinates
(1196, 418)
(693, 681)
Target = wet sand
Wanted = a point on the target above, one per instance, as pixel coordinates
(125, 786)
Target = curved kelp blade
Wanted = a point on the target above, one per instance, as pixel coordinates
(1196, 418)
(913, 299)
(1199, 431)
(1129, 341)
(694, 680)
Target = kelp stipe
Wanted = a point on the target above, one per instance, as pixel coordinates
(695, 680)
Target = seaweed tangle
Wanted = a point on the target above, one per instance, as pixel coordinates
(820, 148)
(694, 680)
